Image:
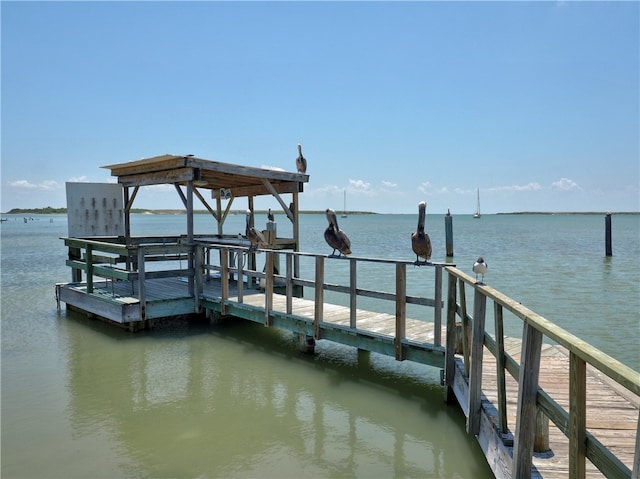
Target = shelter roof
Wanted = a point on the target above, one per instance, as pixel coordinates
(213, 175)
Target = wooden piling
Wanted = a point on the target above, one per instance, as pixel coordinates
(607, 235)
(448, 229)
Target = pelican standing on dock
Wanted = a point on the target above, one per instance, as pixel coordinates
(270, 216)
(335, 237)
(253, 235)
(420, 241)
(480, 268)
(301, 161)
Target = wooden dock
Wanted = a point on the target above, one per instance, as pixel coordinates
(537, 410)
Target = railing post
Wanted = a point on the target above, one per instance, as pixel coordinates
(268, 288)
(466, 336)
(475, 372)
(577, 416)
(319, 297)
(450, 360)
(527, 408)
(500, 369)
(437, 309)
(353, 285)
(240, 282)
(198, 271)
(289, 288)
(401, 308)
(224, 279)
(142, 295)
(89, 262)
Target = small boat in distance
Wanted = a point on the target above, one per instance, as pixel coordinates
(344, 206)
(477, 213)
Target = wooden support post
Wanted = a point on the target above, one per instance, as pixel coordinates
(198, 271)
(437, 309)
(541, 438)
(401, 308)
(466, 328)
(319, 297)
(448, 230)
(268, 288)
(500, 370)
(450, 360)
(289, 283)
(353, 297)
(577, 416)
(607, 235)
(475, 373)
(636, 456)
(224, 279)
(240, 282)
(142, 295)
(527, 409)
(190, 279)
(89, 262)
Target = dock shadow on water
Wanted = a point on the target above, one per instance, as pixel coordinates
(239, 400)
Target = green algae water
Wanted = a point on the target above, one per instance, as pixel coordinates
(83, 399)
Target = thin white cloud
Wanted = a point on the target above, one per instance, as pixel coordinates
(389, 184)
(47, 185)
(565, 184)
(79, 179)
(359, 186)
(424, 187)
(517, 188)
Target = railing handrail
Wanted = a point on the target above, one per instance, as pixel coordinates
(611, 367)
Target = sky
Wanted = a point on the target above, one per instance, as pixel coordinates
(536, 104)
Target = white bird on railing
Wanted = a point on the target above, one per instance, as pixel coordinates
(335, 237)
(252, 234)
(480, 268)
(420, 241)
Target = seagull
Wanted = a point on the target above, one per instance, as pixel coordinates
(420, 241)
(480, 268)
(335, 237)
(301, 161)
(270, 216)
(252, 234)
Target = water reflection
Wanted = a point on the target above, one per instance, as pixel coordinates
(239, 400)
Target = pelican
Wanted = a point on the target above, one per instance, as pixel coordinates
(420, 241)
(301, 161)
(335, 237)
(270, 216)
(480, 268)
(252, 234)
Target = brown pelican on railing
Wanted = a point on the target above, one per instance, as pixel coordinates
(335, 237)
(301, 161)
(253, 235)
(480, 268)
(420, 241)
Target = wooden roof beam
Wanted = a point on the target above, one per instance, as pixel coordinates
(273, 191)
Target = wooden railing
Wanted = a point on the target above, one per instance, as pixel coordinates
(532, 399)
(106, 258)
(228, 268)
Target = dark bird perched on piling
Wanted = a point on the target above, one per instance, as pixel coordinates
(420, 241)
(253, 235)
(270, 216)
(335, 237)
(480, 268)
(301, 161)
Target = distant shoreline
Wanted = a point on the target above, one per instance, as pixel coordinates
(63, 211)
(571, 213)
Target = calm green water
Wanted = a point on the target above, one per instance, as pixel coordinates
(81, 399)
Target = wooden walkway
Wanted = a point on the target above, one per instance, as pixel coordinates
(612, 411)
